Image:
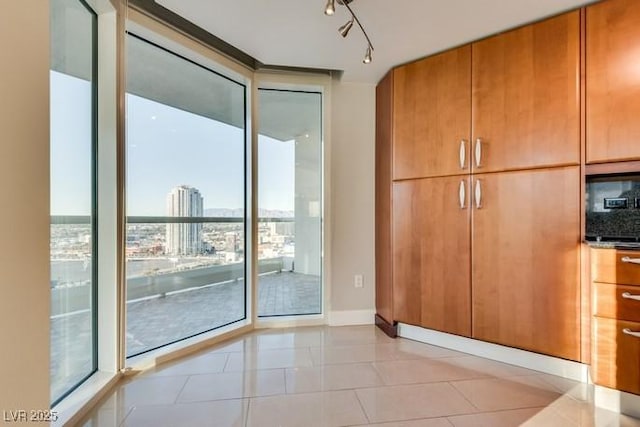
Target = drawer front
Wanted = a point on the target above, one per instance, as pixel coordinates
(616, 355)
(615, 266)
(616, 301)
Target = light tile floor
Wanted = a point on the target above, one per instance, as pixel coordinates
(345, 376)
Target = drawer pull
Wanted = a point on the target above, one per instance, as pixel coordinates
(630, 332)
(630, 260)
(628, 295)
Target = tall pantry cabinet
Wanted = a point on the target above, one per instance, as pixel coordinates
(431, 130)
(484, 143)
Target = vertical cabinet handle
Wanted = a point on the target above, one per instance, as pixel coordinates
(630, 260)
(478, 152)
(630, 332)
(628, 295)
(478, 194)
(462, 195)
(463, 154)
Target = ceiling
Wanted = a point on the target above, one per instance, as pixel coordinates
(297, 33)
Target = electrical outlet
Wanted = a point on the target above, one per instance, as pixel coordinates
(358, 281)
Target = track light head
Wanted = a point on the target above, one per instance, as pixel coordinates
(330, 8)
(367, 56)
(344, 30)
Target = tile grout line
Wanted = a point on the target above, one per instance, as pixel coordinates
(246, 419)
(175, 401)
(449, 421)
(284, 379)
(462, 394)
(366, 416)
(378, 374)
(129, 411)
(226, 362)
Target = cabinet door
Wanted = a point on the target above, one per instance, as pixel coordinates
(432, 115)
(431, 253)
(526, 96)
(525, 248)
(613, 81)
(616, 354)
(384, 124)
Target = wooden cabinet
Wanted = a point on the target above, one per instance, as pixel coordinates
(616, 322)
(525, 246)
(613, 81)
(431, 253)
(616, 266)
(432, 115)
(616, 301)
(508, 271)
(616, 354)
(526, 96)
(384, 125)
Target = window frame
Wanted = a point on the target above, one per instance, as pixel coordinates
(186, 54)
(93, 219)
(313, 83)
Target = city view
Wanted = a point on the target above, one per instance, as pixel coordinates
(186, 232)
(183, 281)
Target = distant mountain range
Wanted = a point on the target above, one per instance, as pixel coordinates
(239, 212)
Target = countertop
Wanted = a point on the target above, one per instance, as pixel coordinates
(627, 246)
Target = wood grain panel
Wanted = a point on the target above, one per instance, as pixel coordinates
(608, 266)
(608, 301)
(432, 108)
(613, 81)
(525, 274)
(616, 356)
(431, 254)
(444, 242)
(384, 126)
(409, 240)
(525, 96)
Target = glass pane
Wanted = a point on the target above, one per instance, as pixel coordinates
(290, 203)
(73, 335)
(185, 198)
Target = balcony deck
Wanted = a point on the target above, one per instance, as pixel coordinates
(157, 320)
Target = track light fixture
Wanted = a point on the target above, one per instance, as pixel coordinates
(344, 30)
(367, 56)
(330, 9)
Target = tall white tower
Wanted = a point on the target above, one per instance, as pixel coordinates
(184, 239)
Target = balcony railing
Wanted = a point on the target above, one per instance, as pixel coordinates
(76, 297)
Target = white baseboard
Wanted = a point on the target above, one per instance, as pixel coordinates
(351, 317)
(617, 401)
(526, 359)
(290, 321)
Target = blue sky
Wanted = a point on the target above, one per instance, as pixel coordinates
(166, 147)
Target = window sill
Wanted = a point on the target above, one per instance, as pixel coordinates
(78, 404)
(136, 364)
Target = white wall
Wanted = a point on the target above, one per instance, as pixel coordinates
(24, 209)
(352, 195)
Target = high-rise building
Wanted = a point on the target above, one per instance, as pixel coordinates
(184, 239)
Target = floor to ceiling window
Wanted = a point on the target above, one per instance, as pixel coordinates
(73, 220)
(185, 163)
(290, 203)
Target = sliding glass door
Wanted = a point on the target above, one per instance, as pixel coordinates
(290, 203)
